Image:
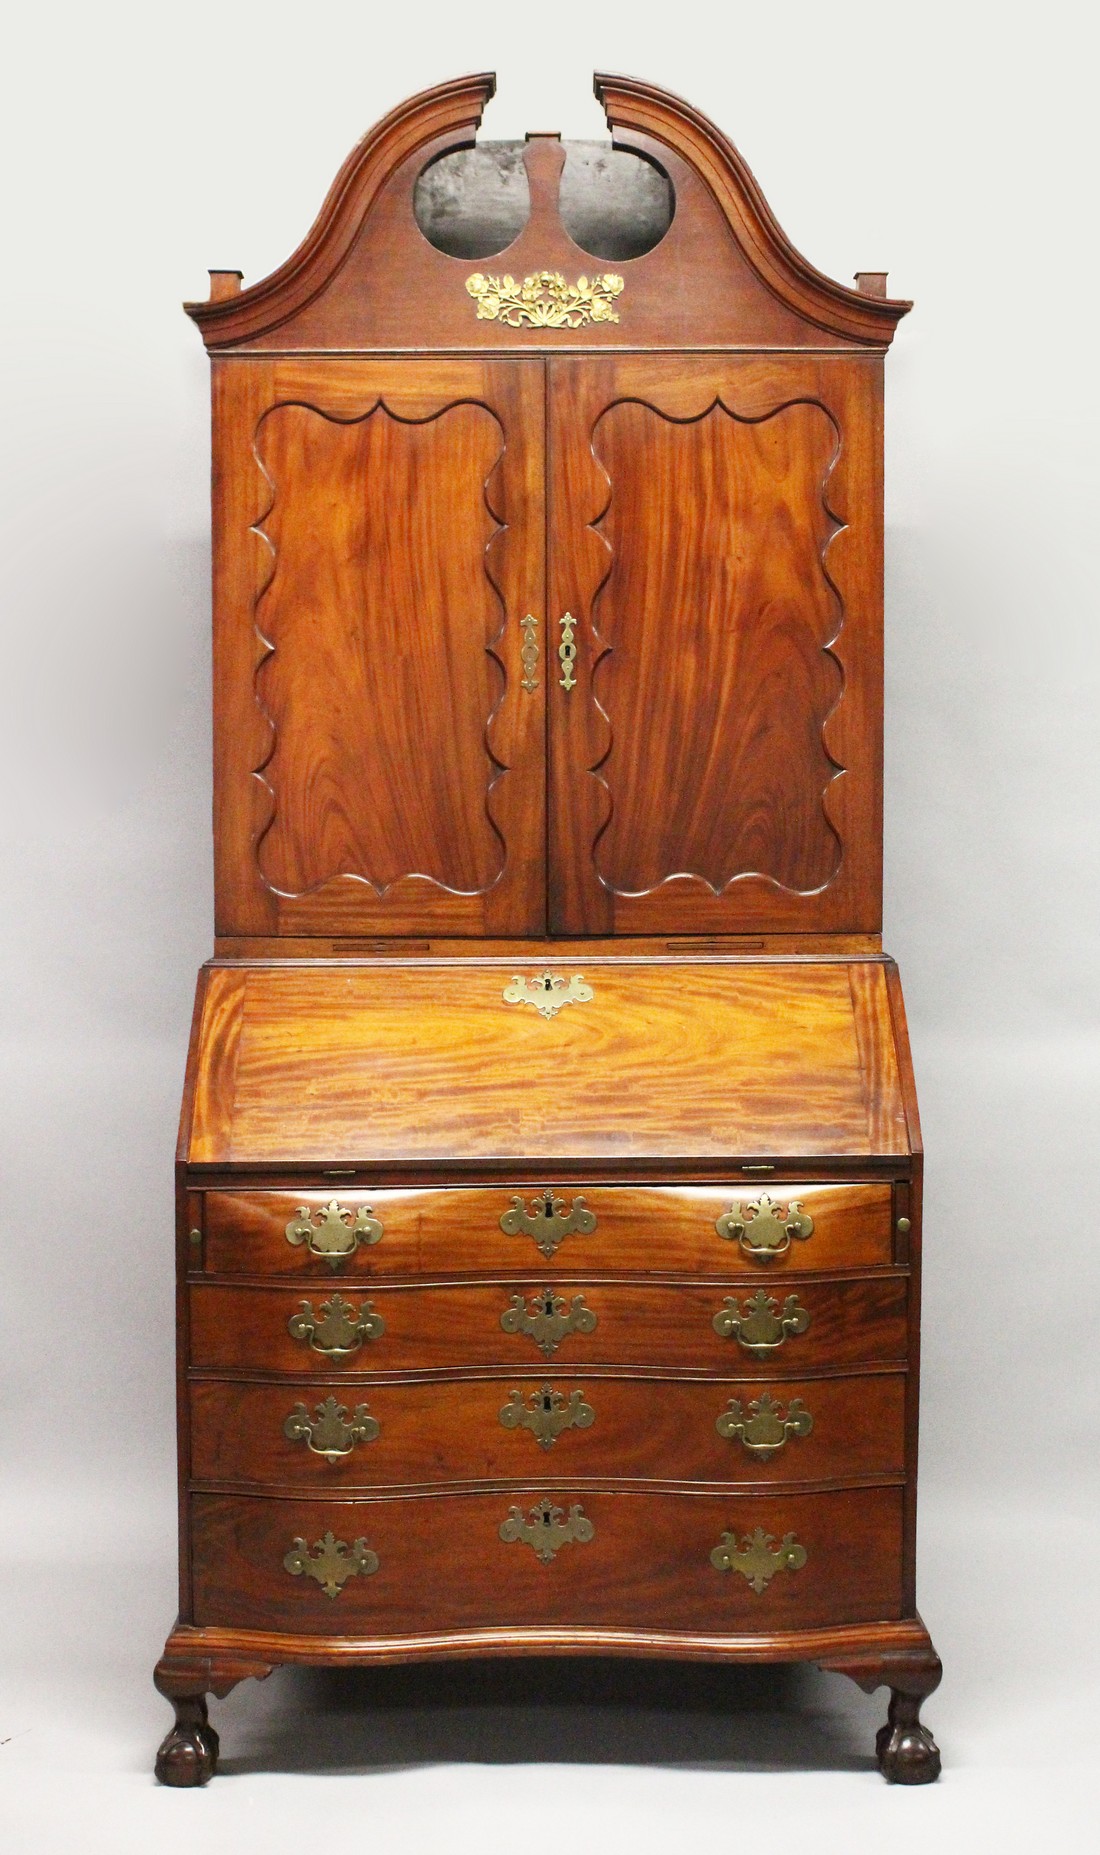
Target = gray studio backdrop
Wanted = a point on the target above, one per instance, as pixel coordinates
(950, 144)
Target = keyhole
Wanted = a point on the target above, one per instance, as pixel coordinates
(547, 1401)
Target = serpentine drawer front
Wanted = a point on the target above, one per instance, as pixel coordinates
(328, 1437)
(752, 1227)
(806, 1323)
(628, 1560)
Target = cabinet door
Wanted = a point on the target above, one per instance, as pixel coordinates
(714, 539)
(380, 703)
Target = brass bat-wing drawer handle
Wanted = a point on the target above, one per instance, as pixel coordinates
(763, 1228)
(546, 1529)
(329, 1433)
(334, 1564)
(548, 1221)
(764, 1431)
(548, 1319)
(334, 1233)
(759, 1326)
(547, 1413)
(758, 1558)
(337, 1330)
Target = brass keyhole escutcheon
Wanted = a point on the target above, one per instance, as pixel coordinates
(567, 652)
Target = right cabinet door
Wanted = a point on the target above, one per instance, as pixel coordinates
(715, 593)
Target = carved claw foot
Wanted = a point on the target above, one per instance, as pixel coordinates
(189, 1753)
(906, 1750)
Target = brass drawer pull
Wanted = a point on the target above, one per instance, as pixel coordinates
(758, 1558)
(333, 1331)
(529, 652)
(545, 1530)
(334, 1564)
(329, 1434)
(547, 1413)
(763, 1228)
(548, 1221)
(334, 1233)
(765, 1430)
(548, 1319)
(759, 1326)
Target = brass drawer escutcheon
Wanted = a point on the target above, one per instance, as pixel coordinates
(329, 1434)
(545, 1529)
(334, 1564)
(758, 1558)
(763, 1228)
(548, 1221)
(334, 1331)
(760, 1327)
(547, 1413)
(765, 1430)
(548, 1319)
(548, 992)
(335, 1233)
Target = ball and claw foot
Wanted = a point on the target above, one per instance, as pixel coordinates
(189, 1754)
(907, 1752)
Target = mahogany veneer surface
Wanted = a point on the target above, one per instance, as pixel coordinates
(426, 1063)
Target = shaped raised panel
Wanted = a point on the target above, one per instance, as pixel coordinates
(380, 679)
(713, 628)
(716, 765)
(383, 729)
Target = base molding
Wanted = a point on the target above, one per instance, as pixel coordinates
(898, 1654)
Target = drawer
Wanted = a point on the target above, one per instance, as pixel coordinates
(618, 1559)
(424, 1433)
(599, 1229)
(803, 1325)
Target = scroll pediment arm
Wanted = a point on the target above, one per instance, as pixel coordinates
(639, 111)
(451, 110)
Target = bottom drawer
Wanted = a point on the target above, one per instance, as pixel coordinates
(616, 1559)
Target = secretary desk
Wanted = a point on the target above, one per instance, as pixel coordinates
(549, 1176)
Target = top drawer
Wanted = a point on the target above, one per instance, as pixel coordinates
(601, 1229)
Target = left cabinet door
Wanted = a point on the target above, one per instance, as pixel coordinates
(379, 702)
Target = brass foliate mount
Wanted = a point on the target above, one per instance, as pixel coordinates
(763, 1228)
(335, 1562)
(329, 1433)
(546, 1529)
(529, 651)
(548, 992)
(567, 651)
(764, 1430)
(333, 1233)
(545, 299)
(760, 1326)
(547, 1413)
(758, 1558)
(548, 1319)
(548, 1221)
(337, 1330)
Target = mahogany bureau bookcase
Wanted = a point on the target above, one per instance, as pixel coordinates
(549, 1176)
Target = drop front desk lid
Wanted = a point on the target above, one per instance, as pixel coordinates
(427, 1065)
